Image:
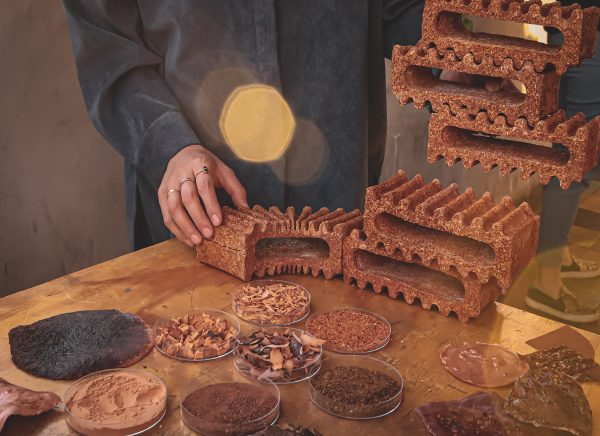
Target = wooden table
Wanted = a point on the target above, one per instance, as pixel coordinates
(166, 279)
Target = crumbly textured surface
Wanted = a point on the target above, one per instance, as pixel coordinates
(456, 232)
(442, 24)
(413, 81)
(264, 302)
(478, 414)
(562, 359)
(71, 345)
(456, 137)
(16, 400)
(287, 430)
(366, 263)
(263, 242)
(548, 398)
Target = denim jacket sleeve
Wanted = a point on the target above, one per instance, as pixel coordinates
(401, 23)
(126, 96)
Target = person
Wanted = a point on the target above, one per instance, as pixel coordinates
(579, 92)
(156, 76)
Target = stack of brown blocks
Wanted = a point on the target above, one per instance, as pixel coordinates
(450, 250)
(468, 120)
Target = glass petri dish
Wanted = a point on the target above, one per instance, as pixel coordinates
(263, 318)
(355, 409)
(282, 376)
(110, 390)
(203, 353)
(337, 346)
(202, 412)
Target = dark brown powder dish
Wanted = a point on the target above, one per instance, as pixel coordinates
(355, 391)
(237, 406)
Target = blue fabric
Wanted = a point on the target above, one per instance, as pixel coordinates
(579, 92)
(155, 75)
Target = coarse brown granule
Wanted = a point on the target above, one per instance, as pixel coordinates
(349, 331)
(230, 403)
(355, 385)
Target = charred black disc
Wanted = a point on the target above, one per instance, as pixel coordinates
(71, 345)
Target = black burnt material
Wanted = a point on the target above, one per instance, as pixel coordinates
(71, 345)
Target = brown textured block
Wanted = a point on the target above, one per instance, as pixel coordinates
(267, 242)
(412, 81)
(442, 24)
(368, 262)
(441, 226)
(456, 137)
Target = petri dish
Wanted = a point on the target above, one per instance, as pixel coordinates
(207, 403)
(338, 344)
(355, 406)
(218, 347)
(254, 313)
(242, 359)
(115, 402)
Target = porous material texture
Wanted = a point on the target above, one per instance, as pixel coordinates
(455, 233)
(71, 345)
(442, 23)
(413, 81)
(457, 137)
(259, 242)
(368, 262)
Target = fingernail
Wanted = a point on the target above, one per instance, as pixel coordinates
(188, 243)
(197, 240)
(215, 219)
(246, 205)
(207, 233)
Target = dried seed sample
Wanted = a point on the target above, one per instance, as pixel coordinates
(16, 400)
(562, 359)
(349, 331)
(278, 354)
(474, 140)
(413, 81)
(354, 390)
(260, 242)
(266, 302)
(442, 23)
(366, 261)
(547, 398)
(483, 365)
(196, 336)
(454, 231)
(71, 345)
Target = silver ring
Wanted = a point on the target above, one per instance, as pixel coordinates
(203, 170)
(170, 191)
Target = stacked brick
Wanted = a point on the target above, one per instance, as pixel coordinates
(459, 129)
(259, 242)
(449, 249)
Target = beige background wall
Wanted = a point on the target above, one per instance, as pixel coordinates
(61, 185)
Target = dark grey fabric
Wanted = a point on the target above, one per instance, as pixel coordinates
(579, 92)
(155, 75)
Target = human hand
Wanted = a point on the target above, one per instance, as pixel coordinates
(490, 84)
(192, 175)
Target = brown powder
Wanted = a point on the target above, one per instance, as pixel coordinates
(349, 331)
(238, 406)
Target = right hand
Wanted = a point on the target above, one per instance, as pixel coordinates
(490, 84)
(184, 184)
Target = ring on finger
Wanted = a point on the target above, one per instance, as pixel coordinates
(203, 170)
(170, 191)
(187, 179)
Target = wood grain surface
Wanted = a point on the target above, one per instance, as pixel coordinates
(166, 279)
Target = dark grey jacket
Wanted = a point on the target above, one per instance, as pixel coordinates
(156, 73)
